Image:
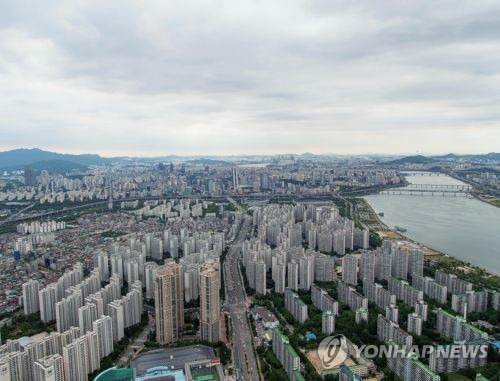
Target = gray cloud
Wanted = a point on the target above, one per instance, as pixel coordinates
(152, 77)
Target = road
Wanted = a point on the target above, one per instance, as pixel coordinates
(136, 346)
(237, 307)
(252, 196)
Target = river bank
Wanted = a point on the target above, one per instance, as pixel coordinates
(495, 201)
(434, 257)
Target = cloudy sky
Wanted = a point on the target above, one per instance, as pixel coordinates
(122, 77)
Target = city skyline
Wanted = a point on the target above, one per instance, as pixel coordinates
(229, 79)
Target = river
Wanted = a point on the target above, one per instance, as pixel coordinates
(465, 228)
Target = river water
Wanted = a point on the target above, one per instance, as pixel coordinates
(465, 228)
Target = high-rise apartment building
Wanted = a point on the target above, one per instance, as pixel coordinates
(49, 368)
(169, 303)
(293, 275)
(350, 269)
(104, 329)
(209, 302)
(30, 297)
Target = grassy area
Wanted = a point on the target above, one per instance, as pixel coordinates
(490, 371)
(466, 271)
(24, 326)
(364, 215)
(495, 202)
(130, 334)
(211, 208)
(8, 228)
(112, 234)
(271, 367)
(456, 377)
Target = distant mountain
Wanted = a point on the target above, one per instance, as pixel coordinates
(58, 166)
(19, 158)
(492, 156)
(208, 162)
(417, 159)
(450, 156)
(480, 158)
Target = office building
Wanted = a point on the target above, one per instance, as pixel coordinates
(235, 177)
(29, 176)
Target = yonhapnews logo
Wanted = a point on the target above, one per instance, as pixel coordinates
(332, 351)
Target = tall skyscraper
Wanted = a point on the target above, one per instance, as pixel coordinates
(30, 297)
(29, 176)
(169, 303)
(236, 180)
(209, 302)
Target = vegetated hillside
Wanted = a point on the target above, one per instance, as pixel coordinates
(18, 158)
(417, 159)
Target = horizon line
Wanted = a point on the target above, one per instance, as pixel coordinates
(443, 153)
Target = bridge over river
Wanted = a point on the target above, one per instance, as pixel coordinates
(431, 189)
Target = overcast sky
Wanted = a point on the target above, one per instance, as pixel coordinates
(121, 77)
